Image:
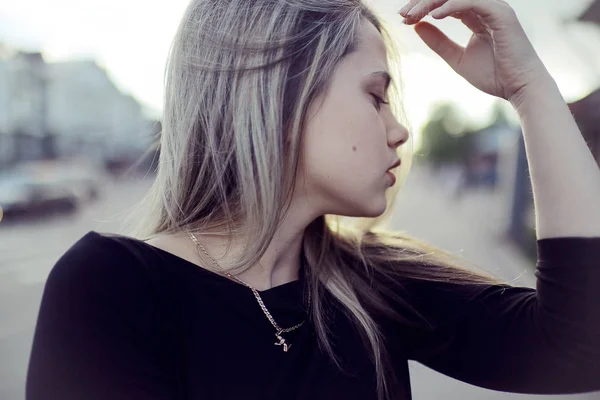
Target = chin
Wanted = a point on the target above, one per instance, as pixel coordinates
(375, 212)
(371, 208)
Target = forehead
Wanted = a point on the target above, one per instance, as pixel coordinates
(370, 48)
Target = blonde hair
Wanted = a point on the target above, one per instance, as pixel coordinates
(239, 81)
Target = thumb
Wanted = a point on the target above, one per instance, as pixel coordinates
(437, 41)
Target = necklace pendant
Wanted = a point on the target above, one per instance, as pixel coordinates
(282, 342)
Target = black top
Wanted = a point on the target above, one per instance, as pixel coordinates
(121, 319)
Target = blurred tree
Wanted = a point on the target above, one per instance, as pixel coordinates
(445, 139)
(499, 113)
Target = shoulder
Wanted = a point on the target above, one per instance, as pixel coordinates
(105, 283)
(99, 260)
(98, 248)
(105, 322)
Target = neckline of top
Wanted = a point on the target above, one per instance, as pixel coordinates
(211, 274)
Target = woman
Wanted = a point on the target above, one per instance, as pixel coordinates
(278, 116)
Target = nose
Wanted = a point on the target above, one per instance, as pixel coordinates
(397, 135)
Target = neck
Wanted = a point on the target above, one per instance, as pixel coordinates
(279, 264)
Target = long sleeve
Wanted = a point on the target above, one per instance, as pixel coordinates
(99, 333)
(543, 341)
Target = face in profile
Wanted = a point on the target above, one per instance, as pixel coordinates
(351, 137)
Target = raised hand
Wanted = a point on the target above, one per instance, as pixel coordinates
(499, 58)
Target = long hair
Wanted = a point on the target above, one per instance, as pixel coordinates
(239, 81)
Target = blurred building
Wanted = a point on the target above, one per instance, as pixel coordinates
(63, 109)
(89, 113)
(6, 149)
(587, 110)
(22, 106)
(587, 114)
(592, 13)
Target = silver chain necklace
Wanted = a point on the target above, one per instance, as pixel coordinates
(279, 330)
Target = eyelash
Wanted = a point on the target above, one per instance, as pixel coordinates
(379, 101)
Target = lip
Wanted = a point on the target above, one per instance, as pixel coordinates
(392, 177)
(395, 165)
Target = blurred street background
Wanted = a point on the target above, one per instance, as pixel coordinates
(80, 110)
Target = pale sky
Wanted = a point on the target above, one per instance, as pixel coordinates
(131, 38)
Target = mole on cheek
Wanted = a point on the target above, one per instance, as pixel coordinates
(353, 148)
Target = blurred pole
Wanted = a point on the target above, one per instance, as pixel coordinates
(48, 139)
(522, 198)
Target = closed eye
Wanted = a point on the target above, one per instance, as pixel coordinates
(379, 101)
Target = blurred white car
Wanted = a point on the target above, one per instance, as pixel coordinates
(23, 192)
(82, 179)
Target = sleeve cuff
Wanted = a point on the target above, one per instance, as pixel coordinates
(574, 250)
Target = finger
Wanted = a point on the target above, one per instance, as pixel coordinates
(424, 8)
(437, 41)
(473, 22)
(491, 12)
(405, 10)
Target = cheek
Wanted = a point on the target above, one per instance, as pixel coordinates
(346, 161)
(344, 153)
(343, 180)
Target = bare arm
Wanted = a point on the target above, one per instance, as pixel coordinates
(564, 174)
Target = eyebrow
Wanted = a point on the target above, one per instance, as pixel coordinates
(382, 75)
